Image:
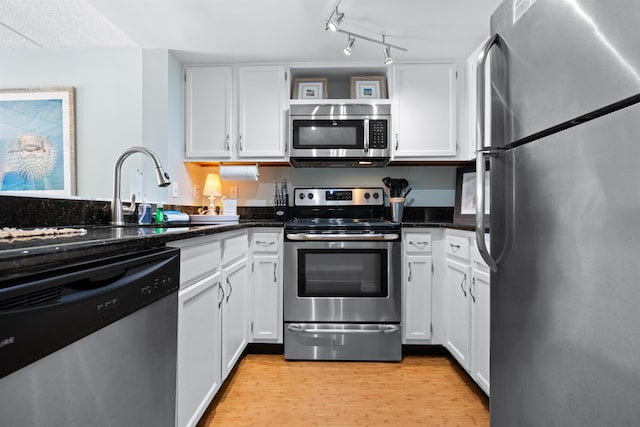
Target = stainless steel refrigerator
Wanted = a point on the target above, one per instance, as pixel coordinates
(559, 122)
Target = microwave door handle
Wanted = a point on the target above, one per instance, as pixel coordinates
(366, 135)
(482, 152)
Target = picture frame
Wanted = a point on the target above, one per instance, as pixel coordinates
(368, 87)
(464, 211)
(37, 141)
(310, 88)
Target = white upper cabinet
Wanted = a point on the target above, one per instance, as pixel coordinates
(262, 112)
(235, 113)
(208, 112)
(424, 111)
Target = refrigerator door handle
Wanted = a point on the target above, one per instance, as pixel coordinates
(482, 151)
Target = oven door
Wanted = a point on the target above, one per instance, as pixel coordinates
(342, 281)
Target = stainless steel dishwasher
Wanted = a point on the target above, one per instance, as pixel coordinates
(91, 343)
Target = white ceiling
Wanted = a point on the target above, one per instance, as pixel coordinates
(241, 31)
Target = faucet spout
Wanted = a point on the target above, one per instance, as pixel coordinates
(117, 217)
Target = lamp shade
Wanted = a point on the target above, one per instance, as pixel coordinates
(212, 185)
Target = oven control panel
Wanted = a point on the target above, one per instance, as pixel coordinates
(370, 196)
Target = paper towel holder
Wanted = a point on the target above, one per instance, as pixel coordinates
(243, 175)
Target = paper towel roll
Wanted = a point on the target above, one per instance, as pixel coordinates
(239, 173)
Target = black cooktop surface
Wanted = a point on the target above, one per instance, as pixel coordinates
(342, 223)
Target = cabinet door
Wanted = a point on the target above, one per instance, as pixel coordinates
(234, 314)
(198, 369)
(262, 108)
(424, 111)
(480, 328)
(266, 294)
(417, 297)
(457, 337)
(208, 112)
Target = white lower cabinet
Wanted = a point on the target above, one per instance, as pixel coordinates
(199, 363)
(266, 285)
(480, 319)
(417, 283)
(212, 318)
(480, 333)
(467, 305)
(234, 314)
(458, 332)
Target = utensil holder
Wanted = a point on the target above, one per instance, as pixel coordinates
(397, 208)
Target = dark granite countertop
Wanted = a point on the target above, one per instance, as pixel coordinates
(102, 240)
(106, 240)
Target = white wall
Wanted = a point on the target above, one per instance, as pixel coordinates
(124, 97)
(431, 186)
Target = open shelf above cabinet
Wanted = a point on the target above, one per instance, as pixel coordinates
(338, 81)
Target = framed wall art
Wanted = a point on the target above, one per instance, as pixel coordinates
(310, 88)
(368, 87)
(37, 141)
(464, 211)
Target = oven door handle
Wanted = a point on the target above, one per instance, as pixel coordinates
(346, 236)
(386, 329)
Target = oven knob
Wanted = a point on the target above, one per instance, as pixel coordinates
(301, 196)
(310, 196)
(367, 196)
(376, 195)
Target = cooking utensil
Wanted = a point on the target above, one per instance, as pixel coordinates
(395, 185)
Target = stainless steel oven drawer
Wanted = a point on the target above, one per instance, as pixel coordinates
(343, 341)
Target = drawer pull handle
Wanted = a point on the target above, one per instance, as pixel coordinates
(454, 248)
(261, 243)
(473, 284)
(419, 245)
(221, 290)
(462, 282)
(231, 289)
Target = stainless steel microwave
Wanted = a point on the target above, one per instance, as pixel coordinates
(334, 135)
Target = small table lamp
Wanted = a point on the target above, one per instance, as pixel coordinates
(212, 190)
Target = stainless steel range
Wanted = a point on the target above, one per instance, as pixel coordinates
(342, 281)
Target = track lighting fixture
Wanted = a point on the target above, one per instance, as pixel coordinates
(347, 50)
(336, 18)
(387, 55)
(333, 23)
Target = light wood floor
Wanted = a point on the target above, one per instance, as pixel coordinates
(266, 390)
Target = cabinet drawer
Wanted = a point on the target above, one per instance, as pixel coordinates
(457, 246)
(265, 242)
(417, 242)
(198, 261)
(234, 247)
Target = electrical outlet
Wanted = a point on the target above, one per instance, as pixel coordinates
(234, 192)
(175, 189)
(196, 191)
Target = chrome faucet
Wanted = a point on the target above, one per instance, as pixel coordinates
(117, 209)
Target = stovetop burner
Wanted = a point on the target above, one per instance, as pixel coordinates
(351, 210)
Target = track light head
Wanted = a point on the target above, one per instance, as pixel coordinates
(335, 20)
(347, 50)
(387, 55)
